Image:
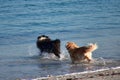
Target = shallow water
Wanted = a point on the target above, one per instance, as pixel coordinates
(80, 21)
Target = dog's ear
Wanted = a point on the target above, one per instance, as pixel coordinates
(44, 36)
(38, 37)
(47, 37)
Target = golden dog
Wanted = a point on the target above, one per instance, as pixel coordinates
(80, 54)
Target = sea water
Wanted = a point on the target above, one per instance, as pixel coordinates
(79, 21)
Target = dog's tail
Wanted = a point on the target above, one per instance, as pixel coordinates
(92, 47)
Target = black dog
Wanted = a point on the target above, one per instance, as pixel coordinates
(45, 44)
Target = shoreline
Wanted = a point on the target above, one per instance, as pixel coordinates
(101, 74)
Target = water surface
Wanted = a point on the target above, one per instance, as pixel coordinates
(80, 21)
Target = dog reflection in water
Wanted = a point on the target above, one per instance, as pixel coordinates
(80, 54)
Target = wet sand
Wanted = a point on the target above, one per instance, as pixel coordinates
(102, 74)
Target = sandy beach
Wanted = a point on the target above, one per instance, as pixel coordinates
(102, 74)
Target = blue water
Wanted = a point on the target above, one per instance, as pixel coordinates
(80, 21)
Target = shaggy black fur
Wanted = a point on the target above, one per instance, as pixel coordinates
(48, 45)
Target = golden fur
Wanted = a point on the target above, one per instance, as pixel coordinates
(79, 54)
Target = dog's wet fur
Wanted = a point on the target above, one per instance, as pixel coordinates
(45, 44)
(79, 54)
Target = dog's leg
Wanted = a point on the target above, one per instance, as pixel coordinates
(57, 54)
(56, 49)
(86, 57)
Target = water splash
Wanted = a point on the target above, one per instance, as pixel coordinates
(35, 52)
(100, 61)
(53, 57)
(46, 55)
(104, 63)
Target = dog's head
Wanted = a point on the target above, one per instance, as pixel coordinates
(71, 46)
(43, 37)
